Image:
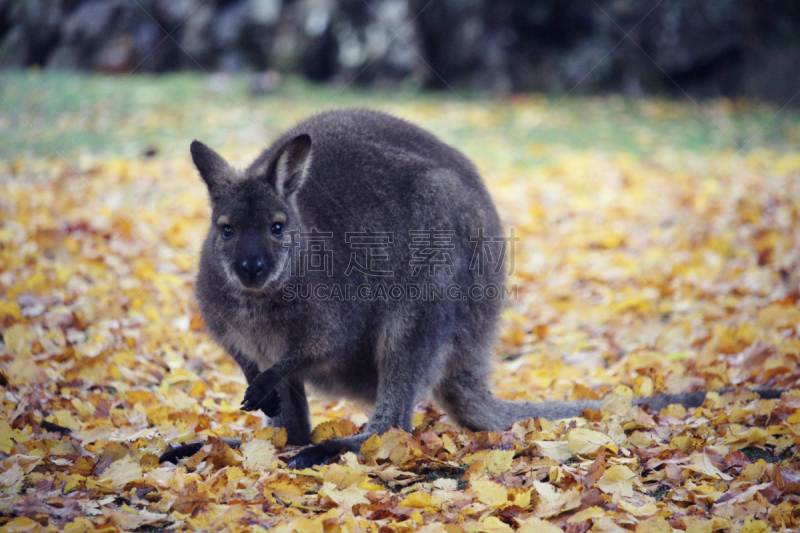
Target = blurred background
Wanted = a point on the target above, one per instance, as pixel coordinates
(696, 48)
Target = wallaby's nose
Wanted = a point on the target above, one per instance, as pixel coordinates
(251, 269)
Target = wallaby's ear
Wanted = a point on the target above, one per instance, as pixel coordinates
(214, 170)
(293, 165)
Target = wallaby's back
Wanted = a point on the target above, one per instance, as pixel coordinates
(371, 170)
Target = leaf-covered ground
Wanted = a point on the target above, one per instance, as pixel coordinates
(659, 251)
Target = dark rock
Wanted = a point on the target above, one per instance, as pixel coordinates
(40, 21)
(172, 13)
(304, 41)
(451, 33)
(151, 47)
(195, 40)
(15, 49)
(5, 22)
(691, 34)
(90, 22)
(229, 23)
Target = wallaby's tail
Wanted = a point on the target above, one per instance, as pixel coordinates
(472, 405)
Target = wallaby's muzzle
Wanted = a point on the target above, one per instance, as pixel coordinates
(252, 272)
(251, 265)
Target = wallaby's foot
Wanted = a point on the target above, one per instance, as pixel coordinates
(318, 454)
(263, 394)
(326, 451)
(187, 450)
(176, 454)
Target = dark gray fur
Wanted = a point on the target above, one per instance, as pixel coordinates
(342, 172)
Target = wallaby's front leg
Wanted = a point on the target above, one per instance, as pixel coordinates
(261, 392)
(271, 406)
(293, 416)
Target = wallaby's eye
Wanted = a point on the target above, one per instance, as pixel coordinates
(277, 229)
(227, 232)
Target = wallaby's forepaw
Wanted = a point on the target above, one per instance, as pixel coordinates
(176, 454)
(318, 454)
(263, 394)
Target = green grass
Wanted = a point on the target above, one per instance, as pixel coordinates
(72, 114)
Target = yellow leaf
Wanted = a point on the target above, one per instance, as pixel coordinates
(11, 480)
(586, 441)
(617, 479)
(16, 340)
(701, 463)
(490, 524)
(285, 490)
(198, 390)
(27, 371)
(371, 447)
(10, 309)
(73, 482)
(778, 316)
(618, 404)
(698, 524)
(520, 497)
(488, 492)
(301, 525)
(64, 418)
(648, 509)
(342, 476)
(738, 437)
(755, 526)
(121, 472)
(418, 500)
(499, 461)
(345, 498)
(537, 525)
(333, 429)
(5, 436)
(258, 454)
(552, 502)
(655, 524)
(556, 450)
(20, 523)
(275, 435)
(590, 513)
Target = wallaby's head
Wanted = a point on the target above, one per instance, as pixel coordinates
(253, 212)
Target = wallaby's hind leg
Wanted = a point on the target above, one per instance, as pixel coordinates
(393, 409)
(465, 397)
(405, 365)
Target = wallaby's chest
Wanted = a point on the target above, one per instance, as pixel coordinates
(249, 331)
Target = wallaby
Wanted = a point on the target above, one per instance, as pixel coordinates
(308, 270)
